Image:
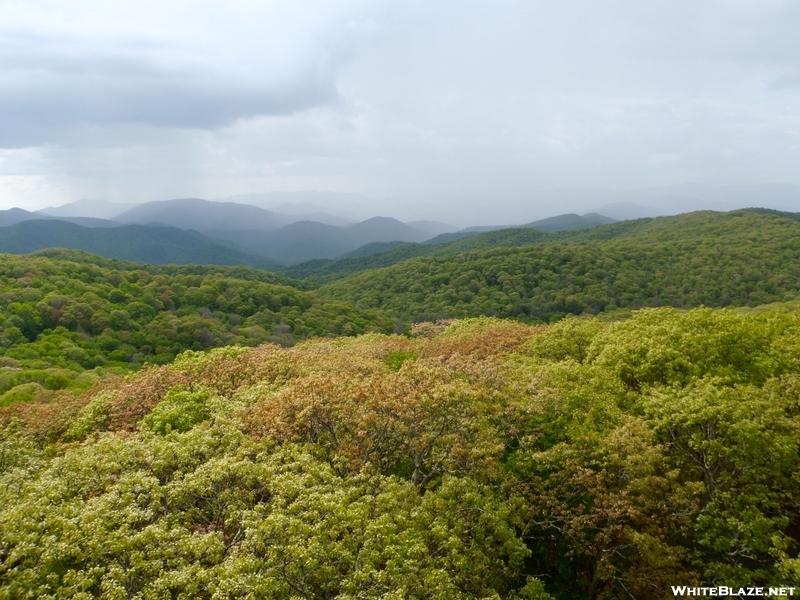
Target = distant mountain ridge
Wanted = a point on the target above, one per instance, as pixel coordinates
(98, 209)
(308, 240)
(432, 227)
(12, 216)
(139, 243)
(279, 238)
(570, 221)
(563, 222)
(202, 215)
(743, 257)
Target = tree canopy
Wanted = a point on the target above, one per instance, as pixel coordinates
(487, 458)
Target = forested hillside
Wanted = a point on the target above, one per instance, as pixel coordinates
(67, 317)
(492, 459)
(739, 258)
(456, 243)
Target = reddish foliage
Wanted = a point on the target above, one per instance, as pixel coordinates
(480, 340)
(423, 421)
(47, 416)
(136, 396)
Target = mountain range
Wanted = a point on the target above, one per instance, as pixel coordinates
(305, 240)
(194, 230)
(296, 229)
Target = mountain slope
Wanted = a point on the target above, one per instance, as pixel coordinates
(140, 243)
(12, 216)
(715, 259)
(570, 221)
(375, 248)
(432, 227)
(453, 243)
(64, 311)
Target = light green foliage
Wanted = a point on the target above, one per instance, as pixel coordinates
(739, 442)
(396, 359)
(20, 393)
(92, 417)
(209, 514)
(180, 410)
(663, 347)
(533, 590)
(570, 338)
(17, 451)
(665, 449)
(489, 459)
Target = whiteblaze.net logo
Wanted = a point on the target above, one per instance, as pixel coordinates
(732, 592)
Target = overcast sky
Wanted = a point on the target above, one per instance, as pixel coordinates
(422, 105)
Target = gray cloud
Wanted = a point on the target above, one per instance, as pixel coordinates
(469, 107)
(50, 85)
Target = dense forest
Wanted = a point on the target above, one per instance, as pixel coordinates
(740, 258)
(483, 459)
(632, 422)
(67, 318)
(451, 244)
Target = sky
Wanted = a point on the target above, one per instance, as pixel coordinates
(427, 108)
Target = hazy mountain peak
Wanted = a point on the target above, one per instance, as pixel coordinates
(203, 215)
(345, 205)
(386, 229)
(98, 209)
(622, 211)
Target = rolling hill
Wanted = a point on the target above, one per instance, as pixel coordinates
(740, 258)
(292, 243)
(447, 244)
(384, 229)
(63, 311)
(432, 227)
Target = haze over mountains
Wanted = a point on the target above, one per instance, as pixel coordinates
(290, 228)
(224, 232)
(159, 243)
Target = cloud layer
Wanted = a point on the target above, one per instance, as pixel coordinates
(428, 105)
(53, 85)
